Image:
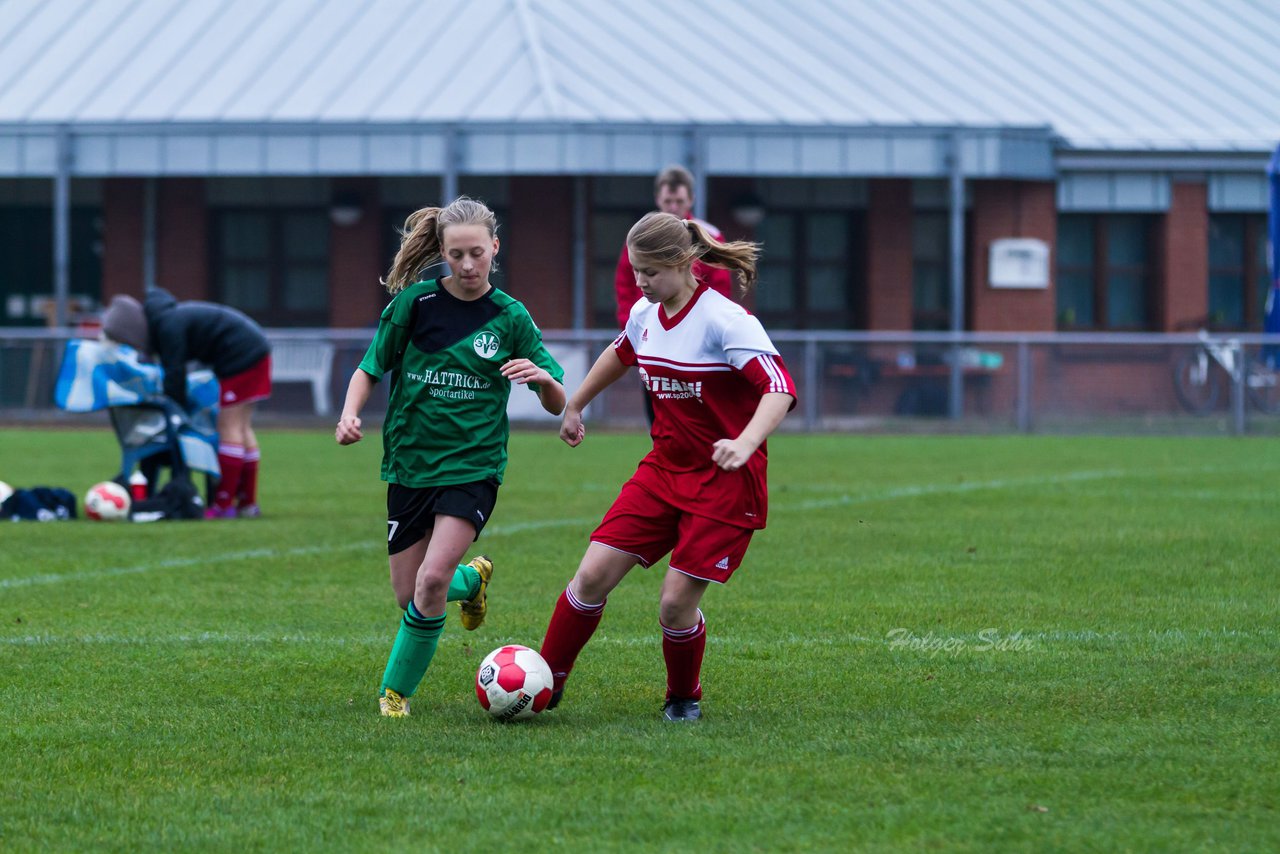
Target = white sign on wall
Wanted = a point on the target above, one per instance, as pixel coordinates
(1019, 262)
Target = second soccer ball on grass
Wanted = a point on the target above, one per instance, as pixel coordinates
(107, 502)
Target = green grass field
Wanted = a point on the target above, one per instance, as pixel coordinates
(951, 643)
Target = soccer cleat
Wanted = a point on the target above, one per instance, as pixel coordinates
(555, 699)
(216, 512)
(393, 705)
(474, 609)
(681, 709)
(248, 511)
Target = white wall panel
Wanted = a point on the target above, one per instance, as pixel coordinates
(11, 156)
(392, 154)
(916, 156)
(820, 155)
(535, 153)
(1119, 192)
(94, 155)
(340, 154)
(291, 154)
(239, 154)
(1238, 192)
(188, 155)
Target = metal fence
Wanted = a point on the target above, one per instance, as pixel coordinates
(847, 381)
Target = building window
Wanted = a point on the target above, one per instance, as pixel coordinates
(617, 203)
(273, 264)
(26, 269)
(1104, 271)
(811, 267)
(931, 271)
(1238, 278)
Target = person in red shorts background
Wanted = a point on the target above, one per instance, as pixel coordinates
(237, 351)
(719, 389)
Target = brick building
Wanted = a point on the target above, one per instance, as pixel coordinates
(263, 157)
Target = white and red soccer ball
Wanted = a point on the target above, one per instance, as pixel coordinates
(513, 683)
(107, 502)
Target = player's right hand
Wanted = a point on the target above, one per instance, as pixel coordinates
(348, 431)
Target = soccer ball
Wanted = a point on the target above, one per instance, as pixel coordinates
(107, 502)
(513, 683)
(5, 491)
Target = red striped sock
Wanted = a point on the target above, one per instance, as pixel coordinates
(231, 461)
(247, 494)
(572, 624)
(682, 649)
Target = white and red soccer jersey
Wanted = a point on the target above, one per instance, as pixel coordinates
(705, 371)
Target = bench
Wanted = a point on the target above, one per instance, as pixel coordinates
(298, 361)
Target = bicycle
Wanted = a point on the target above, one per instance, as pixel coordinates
(1199, 386)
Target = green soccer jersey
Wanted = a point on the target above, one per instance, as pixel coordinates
(446, 419)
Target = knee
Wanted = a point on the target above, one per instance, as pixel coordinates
(231, 434)
(677, 612)
(591, 586)
(429, 588)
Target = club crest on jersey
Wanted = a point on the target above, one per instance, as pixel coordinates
(486, 345)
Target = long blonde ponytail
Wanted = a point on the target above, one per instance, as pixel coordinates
(669, 241)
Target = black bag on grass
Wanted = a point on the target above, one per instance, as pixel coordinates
(179, 499)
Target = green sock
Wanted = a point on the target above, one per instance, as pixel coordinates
(414, 648)
(465, 584)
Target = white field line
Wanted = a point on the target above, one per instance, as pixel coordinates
(898, 492)
(891, 494)
(258, 554)
(1057, 638)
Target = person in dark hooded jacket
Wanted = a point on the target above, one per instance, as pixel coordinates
(234, 347)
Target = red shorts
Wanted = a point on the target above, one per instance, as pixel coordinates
(641, 524)
(247, 386)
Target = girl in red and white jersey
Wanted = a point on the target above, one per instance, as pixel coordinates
(718, 388)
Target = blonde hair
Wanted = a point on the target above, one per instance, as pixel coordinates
(668, 241)
(423, 234)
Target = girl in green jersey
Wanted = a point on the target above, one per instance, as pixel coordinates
(452, 346)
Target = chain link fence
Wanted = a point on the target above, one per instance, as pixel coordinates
(1132, 384)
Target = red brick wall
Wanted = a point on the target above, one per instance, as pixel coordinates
(537, 248)
(182, 238)
(1010, 209)
(121, 237)
(889, 273)
(356, 297)
(1183, 296)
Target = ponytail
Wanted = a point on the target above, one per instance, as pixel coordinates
(419, 248)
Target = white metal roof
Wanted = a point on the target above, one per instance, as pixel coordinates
(1105, 75)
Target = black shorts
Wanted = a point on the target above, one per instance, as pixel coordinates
(411, 512)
